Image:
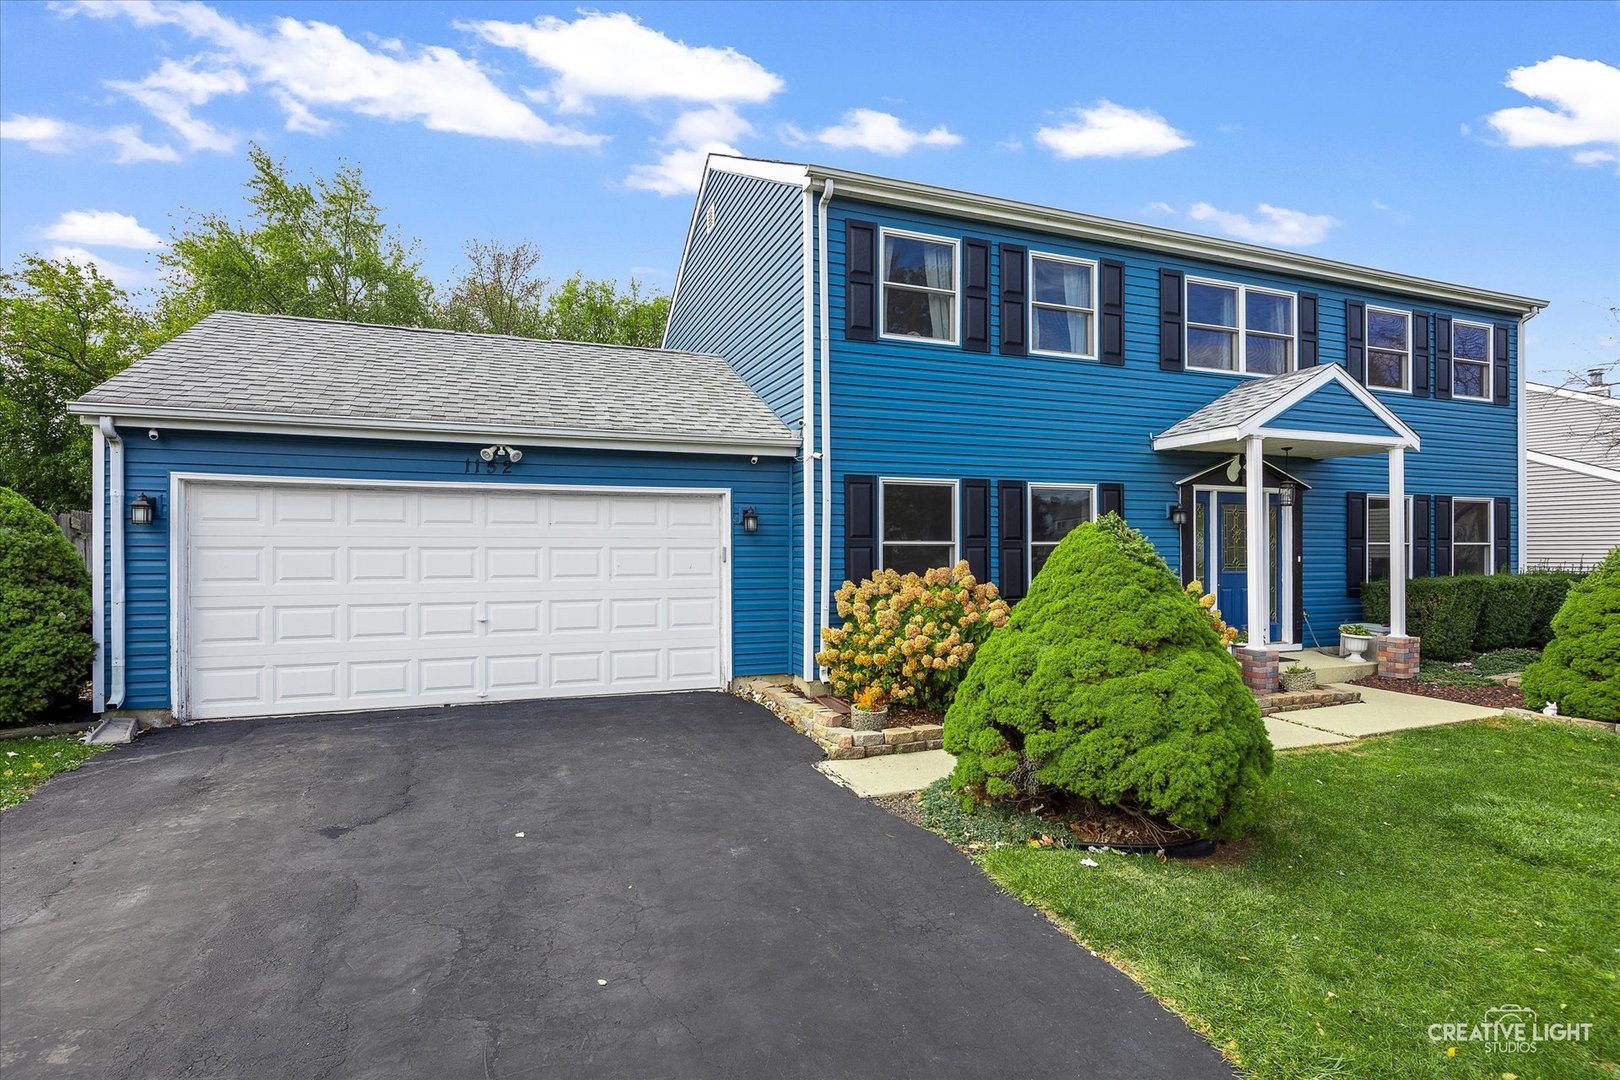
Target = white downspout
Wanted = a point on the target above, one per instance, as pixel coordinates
(115, 538)
(807, 440)
(826, 410)
(1523, 561)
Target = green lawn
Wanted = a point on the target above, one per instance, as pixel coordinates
(1393, 883)
(27, 763)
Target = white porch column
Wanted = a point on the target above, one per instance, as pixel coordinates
(1398, 570)
(1258, 543)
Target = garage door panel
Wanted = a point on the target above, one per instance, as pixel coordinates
(322, 600)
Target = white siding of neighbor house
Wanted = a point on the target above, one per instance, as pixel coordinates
(1574, 519)
(1573, 425)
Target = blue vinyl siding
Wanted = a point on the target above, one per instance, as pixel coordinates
(741, 292)
(759, 563)
(1335, 409)
(929, 410)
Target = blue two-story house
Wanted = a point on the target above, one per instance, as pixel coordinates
(972, 376)
(299, 516)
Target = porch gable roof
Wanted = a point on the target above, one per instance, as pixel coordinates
(1321, 411)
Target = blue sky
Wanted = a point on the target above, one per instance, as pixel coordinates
(1477, 143)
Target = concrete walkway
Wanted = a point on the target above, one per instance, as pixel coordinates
(894, 774)
(1378, 712)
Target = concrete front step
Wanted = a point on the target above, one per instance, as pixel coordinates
(1329, 668)
(1320, 698)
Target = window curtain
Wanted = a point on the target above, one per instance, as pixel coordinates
(938, 268)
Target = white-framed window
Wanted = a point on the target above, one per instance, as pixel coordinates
(1239, 328)
(1470, 360)
(1389, 349)
(1063, 305)
(1473, 537)
(1054, 511)
(919, 278)
(917, 520)
(1378, 537)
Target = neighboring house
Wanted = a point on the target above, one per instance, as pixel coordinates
(306, 516)
(1573, 473)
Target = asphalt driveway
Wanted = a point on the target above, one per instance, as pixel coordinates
(350, 897)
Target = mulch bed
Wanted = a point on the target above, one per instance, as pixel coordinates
(1077, 827)
(1497, 697)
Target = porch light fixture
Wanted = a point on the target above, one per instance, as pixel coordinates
(750, 521)
(1178, 515)
(142, 510)
(1285, 490)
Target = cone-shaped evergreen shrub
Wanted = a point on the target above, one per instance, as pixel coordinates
(1110, 683)
(1580, 668)
(45, 643)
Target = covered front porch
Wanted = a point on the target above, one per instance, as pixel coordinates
(1242, 517)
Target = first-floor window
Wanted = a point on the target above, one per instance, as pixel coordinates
(1054, 511)
(1470, 360)
(919, 524)
(1378, 537)
(1471, 537)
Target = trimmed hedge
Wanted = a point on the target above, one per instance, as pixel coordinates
(1581, 668)
(45, 643)
(1458, 616)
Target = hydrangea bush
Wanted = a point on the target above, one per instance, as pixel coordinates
(1110, 682)
(911, 636)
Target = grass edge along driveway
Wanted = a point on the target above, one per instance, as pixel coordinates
(28, 762)
(1393, 883)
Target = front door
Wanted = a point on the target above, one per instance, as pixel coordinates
(1231, 559)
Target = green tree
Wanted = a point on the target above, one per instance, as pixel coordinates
(319, 250)
(45, 642)
(587, 310)
(63, 329)
(499, 292)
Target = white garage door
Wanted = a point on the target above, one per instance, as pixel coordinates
(321, 599)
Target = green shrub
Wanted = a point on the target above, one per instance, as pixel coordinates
(1580, 669)
(1456, 616)
(911, 637)
(1110, 683)
(45, 643)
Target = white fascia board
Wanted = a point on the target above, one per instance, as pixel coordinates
(1332, 373)
(1194, 440)
(1573, 395)
(783, 172)
(1553, 461)
(1172, 241)
(1335, 438)
(353, 428)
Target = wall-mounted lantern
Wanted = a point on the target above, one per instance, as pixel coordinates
(1178, 515)
(1285, 493)
(750, 521)
(142, 510)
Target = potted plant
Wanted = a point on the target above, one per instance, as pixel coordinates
(870, 710)
(1355, 639)
(1297, 678)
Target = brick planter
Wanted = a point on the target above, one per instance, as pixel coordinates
(830, 729)
(1260, 668)
(1398, 657)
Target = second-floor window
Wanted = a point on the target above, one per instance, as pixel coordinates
(1239, 328)
(1470, 361)
(1064, 305)
(919, 287)
(1389, 349)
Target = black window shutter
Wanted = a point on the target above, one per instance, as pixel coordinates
(1309, 352)
(1442, 370)
(1420, 354)
(1014, 312)
(1013, 553)
(1355, 548)
(1355, 339)
(976, 527)
(860, 527)
(1499, 358)
(1420, 536)
(860, 285)
(1442, 535)
(1170, 320)
(1503, 535)
(1112, 304)
(1110, 499)
(976, 295)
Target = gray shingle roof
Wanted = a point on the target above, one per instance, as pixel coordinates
(1242, 402)
(316, 369)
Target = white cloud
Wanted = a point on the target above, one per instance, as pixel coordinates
(129, 277)
(1111, 131)
(39, 133)
(1595, 157)
(1160, 208)
(102, 228)
(882, 133)
(1269, 225)
(613, 55)
(133, 148)
(1585, 95)
(307, 66)
(678, 171)
(718, 124)
(53, 136)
